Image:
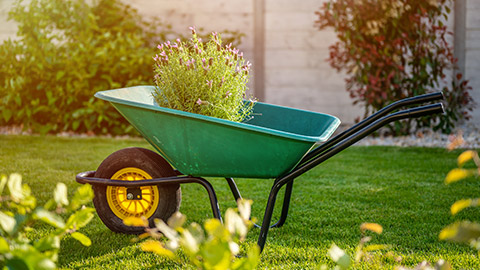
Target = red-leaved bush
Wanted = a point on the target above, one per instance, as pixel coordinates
(392, 49)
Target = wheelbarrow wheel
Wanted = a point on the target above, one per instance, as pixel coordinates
(114, 204)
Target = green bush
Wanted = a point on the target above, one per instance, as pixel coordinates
(65, 51)
(19, 212)
(394, 49)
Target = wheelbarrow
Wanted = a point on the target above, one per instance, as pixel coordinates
(278, 143)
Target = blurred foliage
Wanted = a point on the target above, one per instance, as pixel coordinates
(463, 231)
(395, 49)
(215, 246)
(19, 212)
(65, 51)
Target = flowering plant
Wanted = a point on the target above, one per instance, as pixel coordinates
(204, 78)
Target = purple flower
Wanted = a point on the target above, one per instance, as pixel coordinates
(192, 28)
(179, 41)
(228, 94)
(160, 46)
(199, 102)
(209, 83)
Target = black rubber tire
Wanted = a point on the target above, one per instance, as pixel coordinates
(148, 161)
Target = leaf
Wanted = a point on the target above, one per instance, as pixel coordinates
(80, 218)
(339, 256)
(4, 247)
(176, 220)
(15, 187)
(215, 228)
(374, 227)
(157, 248)
(251, 261)
(83, 195)
(48, 243)
(60, 194)
(170, 233)
(189, 242)
(7, 223)
(49, 218)
(375, 247)
(462, 204)
(216, 254)
(60, 74)
(3, 182)
(136, 221)
(464, 232)
(83, 239)
(244, 208)
(457, 175)
(465, 156)
(7, 114)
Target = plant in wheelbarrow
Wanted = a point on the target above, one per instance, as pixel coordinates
(204, 78)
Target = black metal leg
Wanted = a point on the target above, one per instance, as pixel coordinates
(233, 188)
(286, 205)
(267, 218)
(211, 195)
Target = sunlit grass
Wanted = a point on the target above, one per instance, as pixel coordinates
(400, 188)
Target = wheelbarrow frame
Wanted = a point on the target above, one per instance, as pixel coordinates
(312, 159)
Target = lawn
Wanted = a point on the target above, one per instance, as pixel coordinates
(400, 188)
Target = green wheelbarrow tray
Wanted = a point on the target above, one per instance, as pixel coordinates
(277, 143)
(266, 146)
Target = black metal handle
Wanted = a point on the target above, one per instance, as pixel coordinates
(302, 167)
(421, 111)
(372, 118)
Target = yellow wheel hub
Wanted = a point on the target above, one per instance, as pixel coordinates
(121, 203)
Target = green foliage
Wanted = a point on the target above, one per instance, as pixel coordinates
(344, 261)
(203, 78)
(394, 49)
(213, 247)
(65, 51)
(463, 231)
(19, 212)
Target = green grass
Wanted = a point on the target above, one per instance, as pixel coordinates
(400, 188)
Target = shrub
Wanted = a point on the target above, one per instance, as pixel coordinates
(19, 212)
(65, 51)
(213, 247)
(395, 49)
(207, 79)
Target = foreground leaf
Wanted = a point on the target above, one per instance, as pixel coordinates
(4, 247)
(462, 204)
(463, 232)
(339, 256)
(7, 223)
(49, 218)
(458, 174)
(60, 194)
(48, 243)
(157, 248)
(374, 227)
(15, 187)
(465, 156)
(136, 221)
(82, 196)
(80, 218)
(82, 238)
